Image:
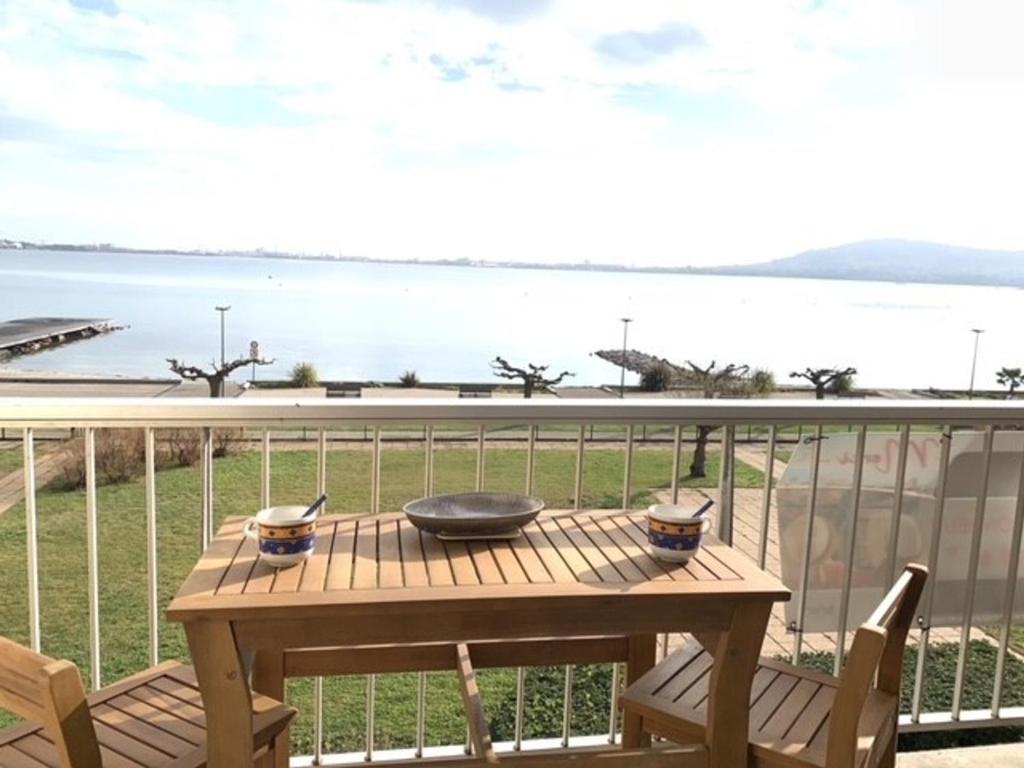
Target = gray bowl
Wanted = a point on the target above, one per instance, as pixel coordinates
(473, 515)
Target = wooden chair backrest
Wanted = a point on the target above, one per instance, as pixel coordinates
(49, 693)
(875, 662)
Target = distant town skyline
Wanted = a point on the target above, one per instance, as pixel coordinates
(650, 133)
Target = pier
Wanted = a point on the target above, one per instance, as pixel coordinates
(34, 334)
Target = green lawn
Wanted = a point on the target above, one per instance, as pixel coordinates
(10, 457)
(63, 570)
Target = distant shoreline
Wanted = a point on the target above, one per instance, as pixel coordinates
(753, 270)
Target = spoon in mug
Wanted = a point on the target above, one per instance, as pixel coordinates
(315, 506)
(704, 508)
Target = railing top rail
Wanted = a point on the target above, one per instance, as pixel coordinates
(291, 412)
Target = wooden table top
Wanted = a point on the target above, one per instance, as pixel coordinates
(364, 560)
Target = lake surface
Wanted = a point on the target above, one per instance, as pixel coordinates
(374, 321)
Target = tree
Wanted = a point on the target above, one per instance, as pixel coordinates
(1010, 377)
(761, 381)
(409, 379)
(305, 375)
(531, 378)
(215, 378)
(823, 378)
(711, 381)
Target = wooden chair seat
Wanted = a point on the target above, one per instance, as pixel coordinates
(155, 718)
(789, 707)
(799, 718)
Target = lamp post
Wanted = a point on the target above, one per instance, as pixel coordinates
(625, 332)
(222, 310)
(974, 360)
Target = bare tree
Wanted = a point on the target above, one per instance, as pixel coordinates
(711, 381)
(532, 378)
(822, 378)
(214, 378)
(1011, 378)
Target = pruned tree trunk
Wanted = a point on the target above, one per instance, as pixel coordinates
(819, 390)
(698, 467)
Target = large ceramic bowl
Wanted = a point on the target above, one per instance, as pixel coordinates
(473, 515)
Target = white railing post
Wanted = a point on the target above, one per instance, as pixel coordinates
(577, 486)
(31, 537)
(677, 442)
(93, 555)
(152, 573)
(726, 482)
(844, 600)
(265, 469)
(766, 501)
(480, 457)
(812, 502)
(1008, 598)
(627, 473)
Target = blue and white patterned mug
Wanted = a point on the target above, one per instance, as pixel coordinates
(282, 535)
(674, 533)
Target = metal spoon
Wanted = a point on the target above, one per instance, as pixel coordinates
(315, 506)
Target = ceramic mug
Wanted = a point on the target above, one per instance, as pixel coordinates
(282, 535)
(674, 533)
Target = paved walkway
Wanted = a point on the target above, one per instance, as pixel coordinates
(50, 459)
(997, 756)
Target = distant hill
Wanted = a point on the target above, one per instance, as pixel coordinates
(905, 261)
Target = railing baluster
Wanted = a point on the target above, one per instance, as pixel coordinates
(627, 474)
(1010, 596)
(520, 706)
(677, 443)
(972, 573)
(933, 559)
(318, 682)
(844, 600)
(375, 473)
(421, 713)
(897, 506)
(207, 489)
(531, 458)
(428, 467)
(371, 696)
(766, 501)
(92, 545)
(265, 470)
(31, 536)
(152, 575)
(613, 710)
(570, 672)
(664, 645)
(577, 488)
(806, 566)
(480, 456)
(726, 482)
(318, 720)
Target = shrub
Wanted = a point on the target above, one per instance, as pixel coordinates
(227, 441)
(179, 447)
(120, 457)
(762, 381)
(657, 378)
(842, 385)
(409, 379)
(304, 375)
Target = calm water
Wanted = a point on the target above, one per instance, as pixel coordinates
(373, 321)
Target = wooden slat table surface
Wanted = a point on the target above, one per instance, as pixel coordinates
(376, 580)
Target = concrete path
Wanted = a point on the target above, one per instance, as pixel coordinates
(997, 756)
(50, 460)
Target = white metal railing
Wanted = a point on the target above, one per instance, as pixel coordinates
(264, 418)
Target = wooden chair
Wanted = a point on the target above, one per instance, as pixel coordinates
(798, 717)
(154, 718)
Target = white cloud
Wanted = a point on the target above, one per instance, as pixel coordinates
(790, 127)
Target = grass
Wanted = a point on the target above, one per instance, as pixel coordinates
(122, 555)
(10, 457)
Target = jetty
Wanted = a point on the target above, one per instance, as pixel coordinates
(25, 335)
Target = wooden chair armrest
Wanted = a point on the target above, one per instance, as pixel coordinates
(479, 733)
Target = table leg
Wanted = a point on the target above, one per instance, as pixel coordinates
(268, 679)
(225, 691)
(736, 657)
(639, 659)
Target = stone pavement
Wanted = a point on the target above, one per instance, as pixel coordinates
(49, 462)
(997, 756)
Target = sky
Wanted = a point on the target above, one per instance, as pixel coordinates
(651, 132)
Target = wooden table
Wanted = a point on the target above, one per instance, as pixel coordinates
(376, 581)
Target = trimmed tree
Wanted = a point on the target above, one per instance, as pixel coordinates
(533, 376)
(214, 378)
(824, 378)
(712, 381)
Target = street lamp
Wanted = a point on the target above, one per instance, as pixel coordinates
(625, 331)
(974, 361)
(222, 310)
